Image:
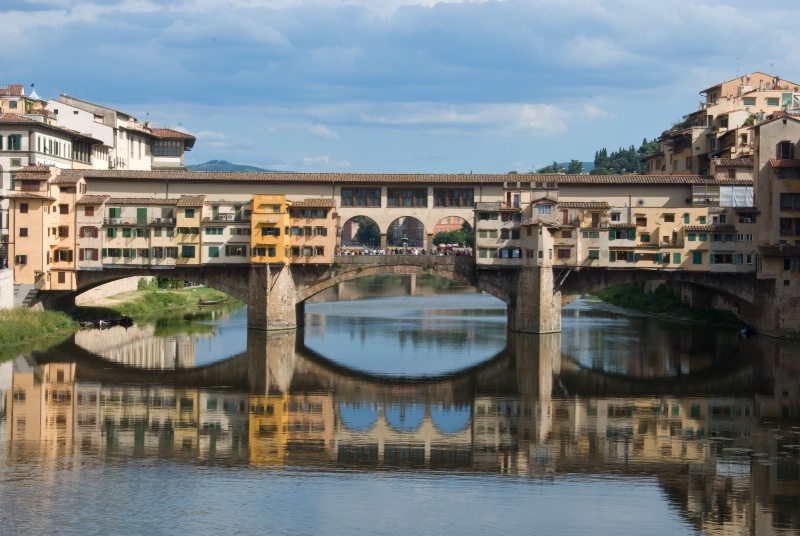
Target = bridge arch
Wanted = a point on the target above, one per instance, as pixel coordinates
(458, 269)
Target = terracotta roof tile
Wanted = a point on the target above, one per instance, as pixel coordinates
(65, 179)
(317, 202)
(12, 90)
(389, 178)
(708, 228)
(93, 199)
(622, 225)
(16, 118)
(142, 201)
(169, 133)
(191, 200)
(27, 195)
(735, 162)
(779, 251)
(784, 163)
(36, 169)
(34, 173)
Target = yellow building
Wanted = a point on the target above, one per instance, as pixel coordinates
(188, 224)
(268, 429)
(270, 241)
(313, 231)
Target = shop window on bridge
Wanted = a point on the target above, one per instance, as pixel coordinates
(187, 252)
(245, 231)
(63, 255)
(214, 231)
(171, 252)
(143, 253)
(87, 254)
(545, 209)
(590, 234)
(188, 213)
(142, 233)
(563, 254)
(594, 254)
(361, 197)
(622, 234)
(644, 238)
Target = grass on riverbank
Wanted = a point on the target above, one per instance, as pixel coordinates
(147, 302)
(20, 324)
(663, 302)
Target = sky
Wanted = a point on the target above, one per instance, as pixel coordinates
(397, 86)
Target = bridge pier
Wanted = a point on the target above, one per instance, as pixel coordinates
(535, 307)
(272, 303)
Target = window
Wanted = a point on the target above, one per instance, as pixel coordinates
(213, 251)
(417, 197)
(361, 197)
(702, 220)
(644, 238)
(485, 216)
(14, 142)
(615, 216)
(784, 150)
(88, 211)
(63, 255)
(127, 232)
(669, 218)
(594, 253)
(87, 254)
(23, 232)
(749, 101)
(63, 231)
(790, 201)
(62, 278)
(142, 233)
(236, 251)
(544, 210)
(566, 234)
(787, 265)
(270, 231)
(591, 234)
(213, 231)
(697, 257)
(20, 260)
(747, 218)
(111, 232)
(187, 252)
(676, 258)
(564, 254)
(63, 209)
(188, 213)
(23, 208)
(272, 252)
(452, 198)
(773, 101)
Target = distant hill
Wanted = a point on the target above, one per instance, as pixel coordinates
(223, 165)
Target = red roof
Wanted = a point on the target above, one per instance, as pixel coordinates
(12, 90)
(784, 163)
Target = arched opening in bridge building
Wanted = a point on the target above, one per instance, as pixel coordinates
(453, 235)
(406, 232)
(360, 232)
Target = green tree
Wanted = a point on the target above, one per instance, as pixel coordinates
(575, 167)
(368, 233)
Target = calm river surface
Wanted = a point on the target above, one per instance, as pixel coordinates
(403, 407)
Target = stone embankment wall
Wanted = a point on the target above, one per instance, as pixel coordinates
(6, 288)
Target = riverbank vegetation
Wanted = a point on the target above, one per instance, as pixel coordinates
(663, 302)
(150, 299)
(21, 324)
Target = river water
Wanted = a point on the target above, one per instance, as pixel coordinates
(403, 407)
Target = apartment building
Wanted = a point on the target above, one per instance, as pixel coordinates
(312, 228)
(721, 128)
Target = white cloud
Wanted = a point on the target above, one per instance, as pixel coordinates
(321, 131)
(323, 162)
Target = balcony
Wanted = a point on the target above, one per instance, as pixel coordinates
(162, 221)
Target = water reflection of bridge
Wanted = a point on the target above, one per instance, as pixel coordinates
(526, 411)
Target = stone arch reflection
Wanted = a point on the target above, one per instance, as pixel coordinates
(359, 417)
(451, 420)
(405, 417)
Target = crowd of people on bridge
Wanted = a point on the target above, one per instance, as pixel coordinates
(443, 252)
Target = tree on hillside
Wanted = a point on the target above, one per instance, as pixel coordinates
(555, 167)
(575, 167)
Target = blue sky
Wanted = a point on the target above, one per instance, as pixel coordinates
(411, 86)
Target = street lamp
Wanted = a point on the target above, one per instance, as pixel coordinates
(405, 244)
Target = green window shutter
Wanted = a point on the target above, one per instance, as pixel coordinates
(213, 251)
(636, 257)
(697, 257)
(703, 237)
(141, 216)
(686, 218)
(126, 232)
(612, 256)
(692, 237)
(676, 258)
(711, 259)
(612, 234)
(104, 252)
(133, 253)
(631, 234)
(658, 258)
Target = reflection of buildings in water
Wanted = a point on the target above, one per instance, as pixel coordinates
(139, 347)
(6, 372)
(402, 434)
(692, 445)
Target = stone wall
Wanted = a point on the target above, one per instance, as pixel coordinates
(6, 288)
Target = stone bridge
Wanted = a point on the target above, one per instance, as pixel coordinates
(276, 294)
